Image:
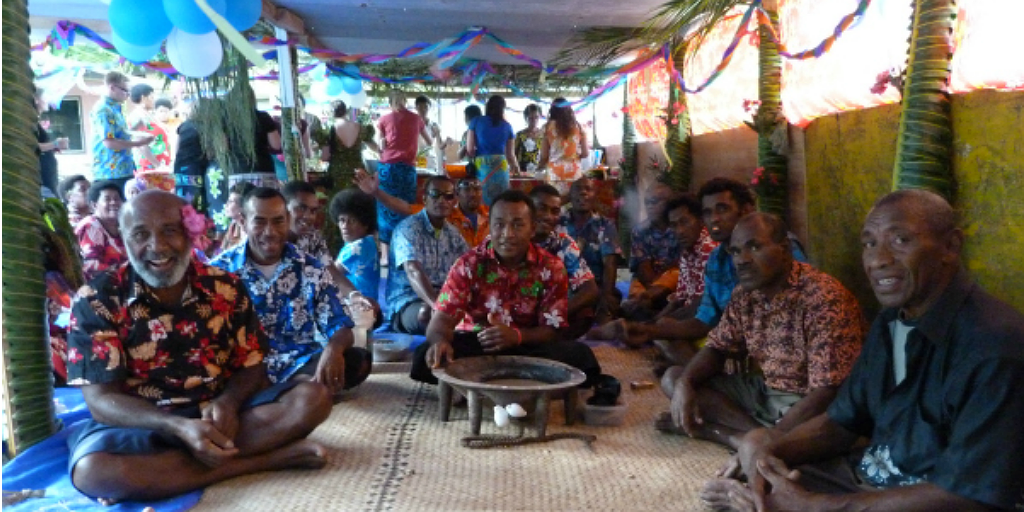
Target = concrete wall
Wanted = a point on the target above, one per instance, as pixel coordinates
(849, 159)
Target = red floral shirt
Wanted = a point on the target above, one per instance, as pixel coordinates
(692, 261)
(532, 295)
(807, 336)
(172, 356)
(100, 249)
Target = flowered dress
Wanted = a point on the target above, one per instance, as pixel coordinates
(528, 149)
(340, 170)
(564, 154)
(100, 248)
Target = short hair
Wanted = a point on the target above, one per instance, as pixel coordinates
(396, 97)
(436, 178)
(420, 100)
(115, 78)
(140, 91)
(575, 187)
(261, 193)
(163, 102)
(356, 203)
(340, 108)
(65, 186)
(532, 107)
(241, 188)
(515, 196)
(544, 189)
(472, 112)
(685, 200)
(740, 192)
(98, 187)
(938, 213)
(779, 230)
(293, 188)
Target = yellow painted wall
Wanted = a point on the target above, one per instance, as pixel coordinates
(849, 160)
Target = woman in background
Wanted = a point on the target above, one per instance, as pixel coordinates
(343, 153)
(529, 141)
(99, 236)
(491, 146)
(564, 146)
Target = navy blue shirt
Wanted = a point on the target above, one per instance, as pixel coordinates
(957, 419)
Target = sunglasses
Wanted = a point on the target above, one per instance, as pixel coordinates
(434, 194)
(122, 89)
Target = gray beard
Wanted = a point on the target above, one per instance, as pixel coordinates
(176, 275)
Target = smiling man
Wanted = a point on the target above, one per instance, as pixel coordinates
(937, 388)
(798, 330)
(505, 297)
(169, 355)
(304, 210)
(296, 299)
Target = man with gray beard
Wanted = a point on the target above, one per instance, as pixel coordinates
(169, 354)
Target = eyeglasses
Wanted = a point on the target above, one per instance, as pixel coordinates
(120, 88)
(435, 194)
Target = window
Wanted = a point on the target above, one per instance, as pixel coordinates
(66, 121)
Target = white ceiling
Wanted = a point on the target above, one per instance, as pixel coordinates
(537, 27)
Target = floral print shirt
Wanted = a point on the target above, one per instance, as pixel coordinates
(598, 238)
(659, 246)
(528, 149)
(108, 123)
(565, 248)
(533, 295)
(436, 250)
(315, 245)
(100, 249)
(361, 265)
(808, 336)
(299, 306)
(692, 261)
(172, 356)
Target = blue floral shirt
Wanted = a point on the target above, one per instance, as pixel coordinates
(299, 306)
(598, 238)
(658, 246)
(720, 278)
(415, 239)
(362, 265)
(108, 123)
(564, 248)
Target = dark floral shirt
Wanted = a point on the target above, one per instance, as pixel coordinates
(534, 294)
(598, 238)
(174, 356)
(690, 287)
(807, 336)
(659, 246)
(565, 248)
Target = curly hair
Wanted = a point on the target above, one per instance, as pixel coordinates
(356, 203)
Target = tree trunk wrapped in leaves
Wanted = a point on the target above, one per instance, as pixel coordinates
(225, 113)
(28, 397)
(291, 140)
(679, 134)
(627, 179)
(772, 176)
(924, 143)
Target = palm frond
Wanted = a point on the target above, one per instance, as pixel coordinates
(598, 46)
(689, 20)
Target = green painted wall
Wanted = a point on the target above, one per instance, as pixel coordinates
(849, 159)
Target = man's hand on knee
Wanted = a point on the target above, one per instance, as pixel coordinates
(330, 371)
(209, 445)
(223, 416)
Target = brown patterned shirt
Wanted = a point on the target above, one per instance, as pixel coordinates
(807, 336)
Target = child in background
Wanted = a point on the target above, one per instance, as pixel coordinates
(355, 213)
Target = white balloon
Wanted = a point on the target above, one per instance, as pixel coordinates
(358, 100)
(194, 55)
(318, 92)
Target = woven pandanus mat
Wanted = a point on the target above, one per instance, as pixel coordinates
(389, 451)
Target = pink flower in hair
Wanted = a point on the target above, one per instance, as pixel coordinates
(196, 224)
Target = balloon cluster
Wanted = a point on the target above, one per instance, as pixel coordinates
(193, 47)
(347, 86)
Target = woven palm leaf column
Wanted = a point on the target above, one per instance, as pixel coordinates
(925, 139)
(678, 134)
(28, 384)
(627, 193)
(291, 143)
(772, 184)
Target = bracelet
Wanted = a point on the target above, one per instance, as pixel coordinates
(520, 334)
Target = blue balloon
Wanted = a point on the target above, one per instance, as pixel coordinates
(188, 17)
(351, 85)
(243, 14)
(137, 23)
(135, 53)
(335, 85)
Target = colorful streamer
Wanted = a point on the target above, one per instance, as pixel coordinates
(825, 45)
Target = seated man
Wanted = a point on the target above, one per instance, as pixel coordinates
(937, 388)
(683, 215)
(423, 249)
(724, 202)
(505, 297)
(296, 299)
(303, 209)
(583, 292)
(797, 328)
(169, 354)
(654, 258)
(598, 240)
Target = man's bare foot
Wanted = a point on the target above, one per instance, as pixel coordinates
(302, 454)
(727, 494)
(611, 331)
